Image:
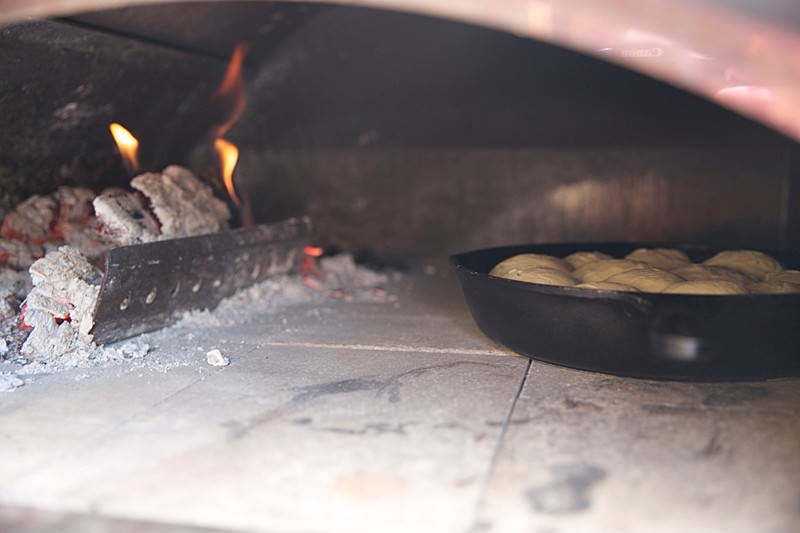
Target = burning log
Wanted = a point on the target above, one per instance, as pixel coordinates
(60, 308)
(73, 304)
(31, 221)
(166, 205)
(19, 255)
(183, 205)
(124, 219)
(69, 293)
(75, 214)
(39, 222)
(61, 305)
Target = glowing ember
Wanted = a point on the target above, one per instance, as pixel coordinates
(232, 91)
(308, 268)
(228, 156)
(313, 251)
(127, 145)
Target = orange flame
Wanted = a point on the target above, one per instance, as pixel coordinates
(127, 144)
(228, 156)
(232, 90)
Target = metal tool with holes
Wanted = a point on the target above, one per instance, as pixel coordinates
(147, 285)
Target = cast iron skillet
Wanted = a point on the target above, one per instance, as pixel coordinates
(662, 336)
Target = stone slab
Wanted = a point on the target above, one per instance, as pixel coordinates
(285, 439)
(591, 452)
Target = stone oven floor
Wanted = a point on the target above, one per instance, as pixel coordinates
(364, 417)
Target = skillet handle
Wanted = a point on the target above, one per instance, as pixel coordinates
(675, 335)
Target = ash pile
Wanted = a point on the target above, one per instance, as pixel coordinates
(53, 247)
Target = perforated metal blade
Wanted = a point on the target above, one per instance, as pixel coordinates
(146, 286)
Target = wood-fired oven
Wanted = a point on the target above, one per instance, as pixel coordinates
(349, 148)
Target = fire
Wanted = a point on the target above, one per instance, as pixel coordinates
(232, 90)
(308, 267)
(228, 156)
(127, 144)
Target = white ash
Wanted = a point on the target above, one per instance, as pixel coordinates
(124, 218)
(341, 270)
(74, 205)
(76, 223)
(14, 286)
(85, 356)
(32, 219)
(10, 382)
(60, 306)
(8, 309)
(131, 349)
(337, 277)
(215, 358)
(19, 254)
(85, 240)
(48, 338)
(177, 346)
(183, 204)
(42, 222)
(169, 204)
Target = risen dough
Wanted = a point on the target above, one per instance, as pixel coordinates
(663, 258)
(646, 279)
(605, 268)
(607, 286)
(706, 287)
(774, 287)
(757, 265)
(542, 275)
(655, 270)
(702, 272)
(578, 259)
(524, 261)
(791, 276)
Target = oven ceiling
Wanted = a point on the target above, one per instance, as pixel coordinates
(319, 77)
(752, 50)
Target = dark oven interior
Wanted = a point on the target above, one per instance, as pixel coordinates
(395, 132)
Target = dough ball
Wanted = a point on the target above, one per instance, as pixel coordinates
(541, 275)
(702, 273)
(578, 259)
(607, 286)
(706, 287)
(722, 273)
(757, 265)
(663, 258)
(790, 276)
(523, 261)
(646, 279)
(773, 287)
(605, 268)
(693, 272)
